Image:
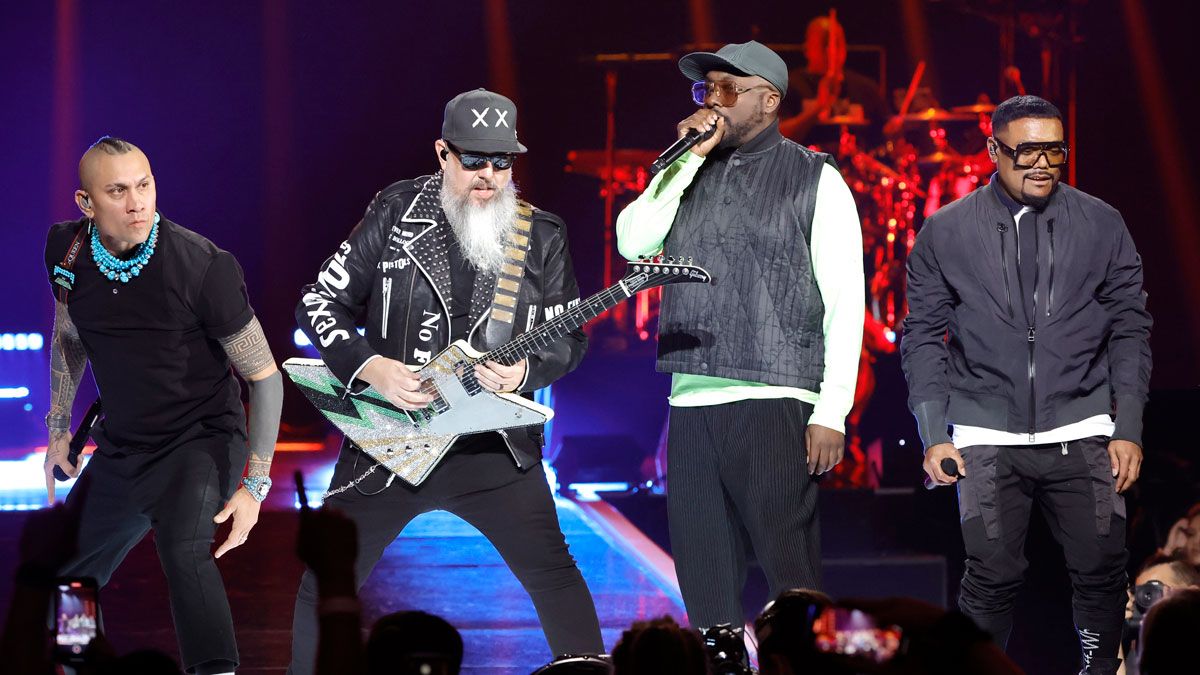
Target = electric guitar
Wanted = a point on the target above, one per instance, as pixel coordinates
(410, 443)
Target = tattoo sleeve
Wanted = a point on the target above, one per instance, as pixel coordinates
(67, 362)
(248, 350)
(251, 355)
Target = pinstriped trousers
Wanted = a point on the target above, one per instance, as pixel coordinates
(737, 475)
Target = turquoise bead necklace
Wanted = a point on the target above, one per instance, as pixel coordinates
(115, 269)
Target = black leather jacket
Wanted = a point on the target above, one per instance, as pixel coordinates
(394, 266)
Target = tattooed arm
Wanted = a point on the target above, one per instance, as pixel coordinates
(251, 357)
(67, 362)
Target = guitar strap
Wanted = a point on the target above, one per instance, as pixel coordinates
(62, 276)
(507, 288)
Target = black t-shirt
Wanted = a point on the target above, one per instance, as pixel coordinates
(462, 288)
(152, 342)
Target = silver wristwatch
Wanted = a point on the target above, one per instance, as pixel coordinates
(257, 486)
(58, 422)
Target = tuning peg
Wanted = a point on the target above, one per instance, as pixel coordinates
(670, 260)
(690, 259)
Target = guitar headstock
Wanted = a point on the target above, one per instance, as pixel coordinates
(663, 270)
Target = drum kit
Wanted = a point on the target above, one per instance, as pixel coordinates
(930, 158)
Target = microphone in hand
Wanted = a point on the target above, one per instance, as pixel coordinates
(687, 142)
(949, 467)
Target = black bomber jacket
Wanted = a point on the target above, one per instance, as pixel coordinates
(972, 356)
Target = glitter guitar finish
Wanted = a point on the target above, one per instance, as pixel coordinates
(410, 443)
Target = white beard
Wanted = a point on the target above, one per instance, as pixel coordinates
(481, 230)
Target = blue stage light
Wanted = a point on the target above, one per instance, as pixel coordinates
(589, 492)
(20, 342)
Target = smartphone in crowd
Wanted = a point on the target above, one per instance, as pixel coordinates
(852, 632)
(76, 617)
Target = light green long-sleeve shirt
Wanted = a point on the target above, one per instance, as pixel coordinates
(836, 244)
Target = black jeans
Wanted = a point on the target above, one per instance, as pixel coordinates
(1073, 485)
(512, 508)
(739, 471)
(175, 491)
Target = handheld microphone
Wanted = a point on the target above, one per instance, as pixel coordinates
(79, 439)
(949, 467)
(668, 157)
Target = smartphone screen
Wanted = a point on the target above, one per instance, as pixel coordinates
(76, 616)
(852, 632)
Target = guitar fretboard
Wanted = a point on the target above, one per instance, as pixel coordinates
(558, 327)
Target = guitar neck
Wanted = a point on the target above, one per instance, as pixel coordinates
(558, 327)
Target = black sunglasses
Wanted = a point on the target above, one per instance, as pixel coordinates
(1027, 155)
(472, 161)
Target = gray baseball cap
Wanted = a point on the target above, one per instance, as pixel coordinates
(482, 121)
(746, 58)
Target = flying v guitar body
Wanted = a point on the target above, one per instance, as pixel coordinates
(410, 443)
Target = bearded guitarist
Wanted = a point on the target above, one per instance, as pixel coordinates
(439, 258)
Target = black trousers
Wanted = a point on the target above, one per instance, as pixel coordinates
(175, 491)
(1073, 485)
(737, 473)
(512, 508)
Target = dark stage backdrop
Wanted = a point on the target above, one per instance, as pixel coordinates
(270, 125)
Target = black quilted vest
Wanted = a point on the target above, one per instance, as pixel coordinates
(747, 218)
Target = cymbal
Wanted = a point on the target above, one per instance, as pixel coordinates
(843, 121)
(974, 109)
(939, 157)
(936, 115)
(626, 161)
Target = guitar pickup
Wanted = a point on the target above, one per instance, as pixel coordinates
(438, 405)
(435, 407)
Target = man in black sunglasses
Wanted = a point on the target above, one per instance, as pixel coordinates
(439, 258)
(1028, 334)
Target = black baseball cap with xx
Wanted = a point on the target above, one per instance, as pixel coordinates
(746, 58)
(482, 121)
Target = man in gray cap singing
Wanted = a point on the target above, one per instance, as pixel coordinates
(439, 258)
(763, 363)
